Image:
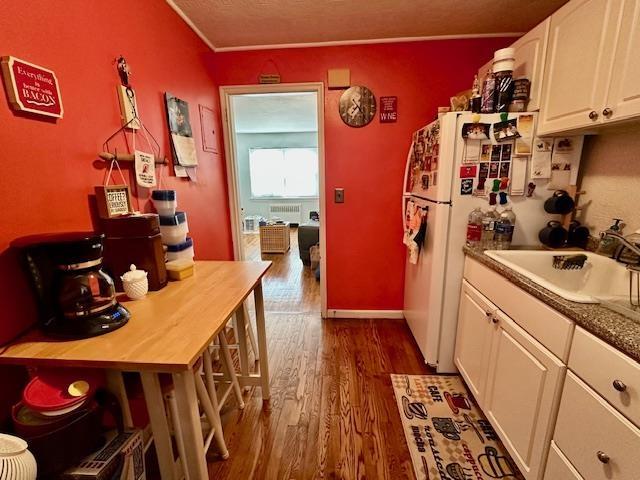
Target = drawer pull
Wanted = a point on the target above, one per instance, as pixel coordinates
(603, 457)
(607, 112)
(495, 320)
(593, 115)
(619, 386)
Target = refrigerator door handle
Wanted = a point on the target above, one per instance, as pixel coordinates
(437, 202)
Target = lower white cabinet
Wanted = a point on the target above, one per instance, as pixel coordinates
(559, 467)
(596, 439)
(522, 394)
(473, 340)
(514, 378)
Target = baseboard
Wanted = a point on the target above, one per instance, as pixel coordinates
(332, 313)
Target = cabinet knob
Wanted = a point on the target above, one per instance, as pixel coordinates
(619, 386)
(603, 457)
(593, 115)
(607, 112)
(495, 320)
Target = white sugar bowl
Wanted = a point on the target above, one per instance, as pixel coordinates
(135, 283)
(16, 462)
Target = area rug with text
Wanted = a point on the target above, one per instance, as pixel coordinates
(448, 436)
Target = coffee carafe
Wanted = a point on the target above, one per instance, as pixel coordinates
(75, 297)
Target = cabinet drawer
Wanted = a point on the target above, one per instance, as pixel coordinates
(604, 368)
(588, 427)
(558, 467)
(550, 328)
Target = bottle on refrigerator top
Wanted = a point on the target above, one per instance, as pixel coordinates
(487, 101)
(488, 228)
(504, 229)
(474, 227)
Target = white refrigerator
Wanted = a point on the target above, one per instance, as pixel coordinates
(432, 285)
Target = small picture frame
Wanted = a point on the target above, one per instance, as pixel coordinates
(113, 200)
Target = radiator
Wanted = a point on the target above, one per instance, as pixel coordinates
(289, 212)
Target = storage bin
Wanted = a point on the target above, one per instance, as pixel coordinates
(174, 228)
(181, 251)
(164, 201)
(274, 238)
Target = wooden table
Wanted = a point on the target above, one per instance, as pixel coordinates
(168, 331)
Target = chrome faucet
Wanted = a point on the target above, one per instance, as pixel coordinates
(622, 240)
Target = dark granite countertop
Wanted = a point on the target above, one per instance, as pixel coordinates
(617, 330)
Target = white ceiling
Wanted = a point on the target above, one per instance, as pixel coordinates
(230, 24)
(275, 112)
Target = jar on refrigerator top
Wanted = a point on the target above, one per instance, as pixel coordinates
(503, 65)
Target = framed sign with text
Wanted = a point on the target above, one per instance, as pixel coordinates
(113, 200)
(388, 109)
(31, 88)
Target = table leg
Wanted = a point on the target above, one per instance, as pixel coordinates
(252, 335)
(159, 425)
(241, 333)
(262, 341)
(187, 399)
(115, 384)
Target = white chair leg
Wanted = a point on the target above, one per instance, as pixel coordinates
(251, 334)
(228, 363)
(177, 432)
(212, 415)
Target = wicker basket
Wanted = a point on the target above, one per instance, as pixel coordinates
(274, 238)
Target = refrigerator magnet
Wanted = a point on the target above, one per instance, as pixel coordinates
(505, 131)
(505, 155)
(485, 152)
(505, 167)
(466, 186)
(468, 171)
(495, 153)
(484, 170)
(493, 169)
(475, 131)
(434, 179)
(425, 181)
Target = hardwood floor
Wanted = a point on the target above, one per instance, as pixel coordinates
(332, 413)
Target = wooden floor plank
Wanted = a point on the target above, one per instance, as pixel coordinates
(332, 413)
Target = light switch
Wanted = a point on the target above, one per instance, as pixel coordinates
(338, 195)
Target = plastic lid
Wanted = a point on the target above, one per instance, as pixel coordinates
(173, 220)
(11, 446)
(504, 54)
(166, 195)
(504, 66)
(188, 243)
(49, 389)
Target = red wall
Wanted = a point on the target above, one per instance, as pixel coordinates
(365, 255)
(47, 167)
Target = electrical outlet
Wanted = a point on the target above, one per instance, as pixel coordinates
(338, 195)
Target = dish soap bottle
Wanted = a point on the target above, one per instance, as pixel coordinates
(609, 245)
(474, 227)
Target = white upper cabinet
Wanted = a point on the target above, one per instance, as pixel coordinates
(578, 64)
(530, 56)
(592, 66)
(623, 100)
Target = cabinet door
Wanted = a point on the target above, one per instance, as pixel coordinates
(595, 438)
(522, 395)
(473, 339)
(530, 51)
(581, 39)
(624, 93)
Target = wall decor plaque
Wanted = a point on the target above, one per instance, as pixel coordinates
(113, 200)
(31, 88)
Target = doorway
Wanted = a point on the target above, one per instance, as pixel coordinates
(274, 145)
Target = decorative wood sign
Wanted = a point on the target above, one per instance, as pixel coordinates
(113, 200)
(208, 125)
(31, 88)
(388, 109)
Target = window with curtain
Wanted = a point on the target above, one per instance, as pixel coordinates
(283, 172)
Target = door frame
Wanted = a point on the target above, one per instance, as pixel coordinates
(228, 125)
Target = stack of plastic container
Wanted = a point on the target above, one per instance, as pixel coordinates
(173, 228)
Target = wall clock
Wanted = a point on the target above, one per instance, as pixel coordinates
(357, 106)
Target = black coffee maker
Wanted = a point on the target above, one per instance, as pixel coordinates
(75, 297)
